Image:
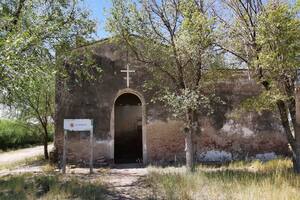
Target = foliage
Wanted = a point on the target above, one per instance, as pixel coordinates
(189, 100)
(17, 134)
(265, 101)
(31, 36)
(36, 36)
(266, 37)
(279, 39)
(81, 67)
(278, 36)
(175, 42)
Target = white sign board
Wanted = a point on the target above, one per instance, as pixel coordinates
(78, 124)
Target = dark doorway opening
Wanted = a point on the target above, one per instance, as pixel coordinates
(128, 129)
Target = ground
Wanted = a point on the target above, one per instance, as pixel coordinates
(129, 183)
(18, 155)
(124, 182)
(37, 179)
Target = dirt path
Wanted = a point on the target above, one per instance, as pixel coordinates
(124, 183)
(22, 154)
(129, 183)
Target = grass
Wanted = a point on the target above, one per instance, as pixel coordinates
(50, 186)
(237, 181)
(241, 180)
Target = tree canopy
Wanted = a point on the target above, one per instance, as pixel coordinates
(175, 40)
(35, 37)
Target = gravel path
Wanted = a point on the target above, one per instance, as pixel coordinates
(18, 155)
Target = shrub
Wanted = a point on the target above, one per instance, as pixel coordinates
(17, 134)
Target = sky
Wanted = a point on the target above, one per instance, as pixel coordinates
(99, 11)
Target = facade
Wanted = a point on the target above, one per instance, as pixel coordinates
(129, 127)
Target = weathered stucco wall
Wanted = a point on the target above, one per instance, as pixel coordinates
(249, 134)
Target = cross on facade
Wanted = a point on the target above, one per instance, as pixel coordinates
(127, 78)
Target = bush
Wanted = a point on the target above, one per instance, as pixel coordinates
(16, 134)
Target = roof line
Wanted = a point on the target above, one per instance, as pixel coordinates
(91, 43)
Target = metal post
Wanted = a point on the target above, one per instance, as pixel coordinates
(92, 149)
(64, 153)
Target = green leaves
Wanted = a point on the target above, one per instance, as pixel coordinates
(266, 37)
(279, 39)
(266, 101)
(36, 37)
(189, 100)
(175, 41)
(182, 102)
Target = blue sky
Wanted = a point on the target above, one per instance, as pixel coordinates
(99, 9)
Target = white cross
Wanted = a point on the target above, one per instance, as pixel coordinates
(127, 71)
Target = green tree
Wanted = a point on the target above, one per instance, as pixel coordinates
(267, 38)
(174, 39)
(35, 39)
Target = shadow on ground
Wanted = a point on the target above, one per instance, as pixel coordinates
(105, 184)
(33, 186)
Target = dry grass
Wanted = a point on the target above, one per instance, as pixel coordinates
(240, 180)
(36, 160)
(50, 186)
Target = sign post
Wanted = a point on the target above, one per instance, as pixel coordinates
(64, 152)
(78, 125)
(92, 150)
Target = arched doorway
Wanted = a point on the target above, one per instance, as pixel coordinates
(128, 144)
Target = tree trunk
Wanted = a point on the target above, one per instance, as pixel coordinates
(46, 149)
(190, 129)
(189, 151)
(296, 150)
(294, 140)
(45, 141)
(296, 112)
(296, 160)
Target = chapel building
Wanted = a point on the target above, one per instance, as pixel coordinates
(130, 128)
